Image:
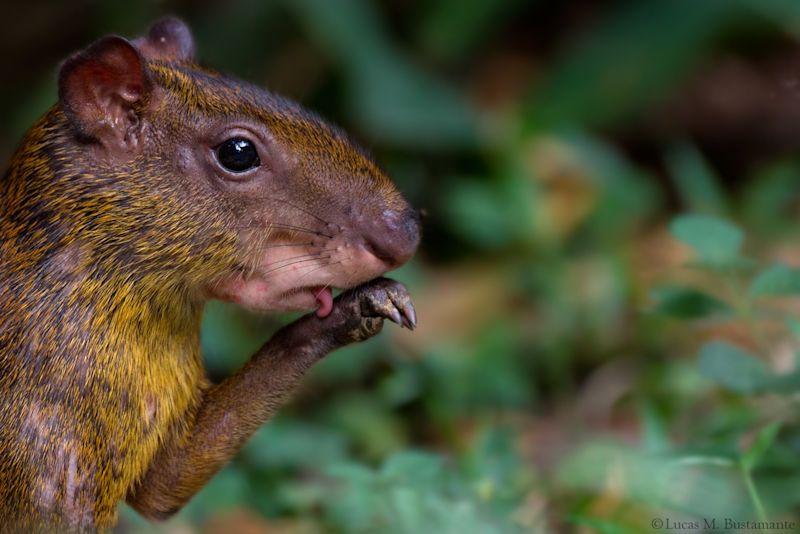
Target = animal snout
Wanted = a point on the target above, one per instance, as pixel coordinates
(393, 236)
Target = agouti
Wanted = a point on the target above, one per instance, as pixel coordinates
(152, 186)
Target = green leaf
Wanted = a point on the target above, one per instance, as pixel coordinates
(414, 468)
(654, 434)
(414, 491)
(372, 426)
(391, 96)
(777, 280)
(733, 368)
(687, 303)
(762, 443)
(450, 29)
(604, 77)
(287, 443)
(229, 336)
(782, 13)
(716, 241)
(475, 210)
(351, 472)
(627, 194)
(226, 491)
(742, 372)
(793, 325)
(716, 461)
(696, 182)
(767, 202)
(649, 478)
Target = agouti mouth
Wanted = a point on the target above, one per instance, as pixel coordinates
(322, 294)
(289, 280)
(325, 300)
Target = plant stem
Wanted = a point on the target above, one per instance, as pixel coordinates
(754, 496)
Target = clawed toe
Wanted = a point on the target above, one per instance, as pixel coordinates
(390, 300)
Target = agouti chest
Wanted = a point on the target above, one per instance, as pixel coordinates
(110, 384)
(156, 382)
(147, 399)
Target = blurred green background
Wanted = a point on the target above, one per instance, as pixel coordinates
(606, 286)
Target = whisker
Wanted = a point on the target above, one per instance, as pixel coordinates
(290, 204)
(318, 267)
(315, 254)
(265, 247)
(293, 263)
(282, 226)
(261, 240)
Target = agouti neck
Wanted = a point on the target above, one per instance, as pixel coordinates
(55, 228)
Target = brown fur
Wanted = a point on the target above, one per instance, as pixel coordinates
(116, 225)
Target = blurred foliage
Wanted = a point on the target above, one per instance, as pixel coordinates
(609, 282)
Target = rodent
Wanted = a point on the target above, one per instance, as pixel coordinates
(153, 185)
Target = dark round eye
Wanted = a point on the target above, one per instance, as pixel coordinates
(237, 154)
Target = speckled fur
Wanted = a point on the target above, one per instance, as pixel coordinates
(102, 388)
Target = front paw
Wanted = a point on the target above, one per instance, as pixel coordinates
(358, 313)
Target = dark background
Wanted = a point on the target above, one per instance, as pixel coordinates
(554, 384)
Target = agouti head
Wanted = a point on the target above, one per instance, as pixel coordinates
(182, 178)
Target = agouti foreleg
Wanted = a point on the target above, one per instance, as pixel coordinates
(231, 411)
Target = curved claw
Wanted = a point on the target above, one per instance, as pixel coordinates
(394, 315)
(402, 302)
(362, 310)
(388, 299)
(409, 316)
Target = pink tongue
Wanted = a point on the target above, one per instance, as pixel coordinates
(325, 299)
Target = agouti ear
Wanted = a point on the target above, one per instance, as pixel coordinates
(168, 39)
(103, 91)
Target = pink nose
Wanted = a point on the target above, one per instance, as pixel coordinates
(393, 237)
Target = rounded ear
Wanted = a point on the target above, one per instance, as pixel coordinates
(168, 39)
(103, 90)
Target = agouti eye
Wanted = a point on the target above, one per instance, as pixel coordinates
(237, 154)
